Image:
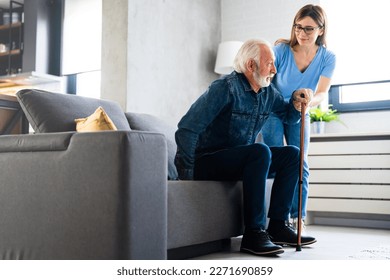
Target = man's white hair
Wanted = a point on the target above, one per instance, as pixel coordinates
(249, 50)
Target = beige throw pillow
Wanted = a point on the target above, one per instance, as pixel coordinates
(98, 121)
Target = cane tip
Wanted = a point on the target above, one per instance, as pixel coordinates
(299, 248)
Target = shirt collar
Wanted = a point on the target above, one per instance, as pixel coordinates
(244, 81)
(246, 84)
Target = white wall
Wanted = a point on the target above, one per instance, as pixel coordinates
(271, 20)
(158, 55)
(361, 122)
(266, 19)
(114, 51)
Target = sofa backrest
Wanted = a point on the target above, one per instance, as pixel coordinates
(56, 112)
(145, 122)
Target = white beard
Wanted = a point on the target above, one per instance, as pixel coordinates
(264, 81)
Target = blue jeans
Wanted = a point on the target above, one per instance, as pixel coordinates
(251, 164)
(272, 133)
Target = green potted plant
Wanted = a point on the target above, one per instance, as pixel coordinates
(318, 118)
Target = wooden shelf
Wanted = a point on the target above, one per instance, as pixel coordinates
(12, 52)
(11, 40)
(8, 26)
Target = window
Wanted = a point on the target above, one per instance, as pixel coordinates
(88, 84)
(356, 34)
(81, 42)
(360, 97)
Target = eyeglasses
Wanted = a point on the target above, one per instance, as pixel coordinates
(308, 30)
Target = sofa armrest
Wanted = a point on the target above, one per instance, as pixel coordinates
(99, 195)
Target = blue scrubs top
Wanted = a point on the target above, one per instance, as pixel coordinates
(289, 78)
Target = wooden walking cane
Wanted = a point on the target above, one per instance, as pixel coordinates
(301, 158)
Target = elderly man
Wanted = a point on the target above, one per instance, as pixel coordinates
(216, 141)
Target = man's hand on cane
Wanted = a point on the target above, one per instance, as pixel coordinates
(303, 95)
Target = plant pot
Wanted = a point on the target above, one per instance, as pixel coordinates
(318, 127)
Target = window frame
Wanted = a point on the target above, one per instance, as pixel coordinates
(334, 99)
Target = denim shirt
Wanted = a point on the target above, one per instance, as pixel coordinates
(227, 115)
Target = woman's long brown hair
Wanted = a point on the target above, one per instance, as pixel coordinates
(318, 15)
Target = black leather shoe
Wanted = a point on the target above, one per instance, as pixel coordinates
(287, 235)
(257, 242)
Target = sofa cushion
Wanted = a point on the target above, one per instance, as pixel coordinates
(145, 122)
(98, 121)
(56, 112)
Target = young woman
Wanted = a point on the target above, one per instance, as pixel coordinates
(303, 61)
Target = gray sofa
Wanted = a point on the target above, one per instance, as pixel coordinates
(104, 195)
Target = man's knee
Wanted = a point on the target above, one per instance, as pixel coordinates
(261, 151)
(292, 152)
